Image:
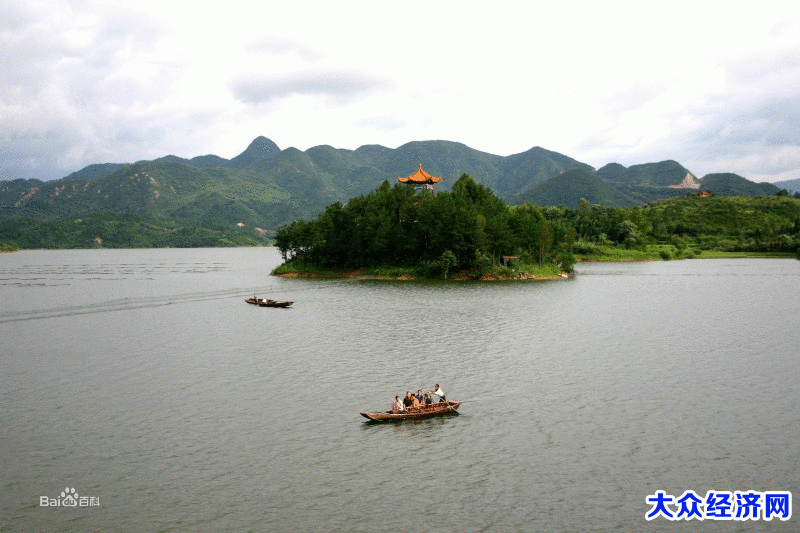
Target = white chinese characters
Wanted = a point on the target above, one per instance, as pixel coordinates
(721, 505)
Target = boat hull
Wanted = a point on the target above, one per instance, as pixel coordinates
(273, 303)
(267, 303)
(418, 414)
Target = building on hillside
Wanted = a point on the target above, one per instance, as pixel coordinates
(420, 180)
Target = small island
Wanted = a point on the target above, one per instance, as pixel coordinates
(410, 231)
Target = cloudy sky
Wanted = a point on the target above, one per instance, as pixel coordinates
(712, 85)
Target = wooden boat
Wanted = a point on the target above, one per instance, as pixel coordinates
(435, 409)
(273, 303)
(267, 302)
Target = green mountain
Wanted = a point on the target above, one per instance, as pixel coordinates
(265, 187)
(663, 174)
(617, 186)
(734, 185)
(96, 171)
(567, 190)
(261, 148)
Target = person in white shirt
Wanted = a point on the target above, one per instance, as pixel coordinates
(437, 390)
(397, 405)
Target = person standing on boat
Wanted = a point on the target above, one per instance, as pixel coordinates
(437, 390)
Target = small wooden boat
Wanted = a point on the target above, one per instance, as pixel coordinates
(267, 302)
(273, 303)
(435, 409)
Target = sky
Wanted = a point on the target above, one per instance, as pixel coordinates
(712, 85)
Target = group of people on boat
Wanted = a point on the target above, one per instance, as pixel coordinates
(417, 401)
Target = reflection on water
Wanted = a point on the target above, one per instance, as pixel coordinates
(141, 377)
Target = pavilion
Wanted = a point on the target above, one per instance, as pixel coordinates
(420, 179)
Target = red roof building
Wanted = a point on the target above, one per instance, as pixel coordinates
(420, 178)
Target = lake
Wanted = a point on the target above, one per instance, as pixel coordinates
(142, 381)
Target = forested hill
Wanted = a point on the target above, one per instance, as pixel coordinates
(617, 186)
(467, 229)
(265, 187)
(470, 230)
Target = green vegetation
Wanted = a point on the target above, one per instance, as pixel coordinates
(468, 230)
(109, 230)
(687, 227)
(395, 232)
(267, 187)
(634, 213)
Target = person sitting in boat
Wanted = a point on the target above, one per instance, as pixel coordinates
(420, 397)
(407, 401)
(427, 400)
(397, 405)
(415, 404)
(437, 390)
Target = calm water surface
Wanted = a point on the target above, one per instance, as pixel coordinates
(142, 379)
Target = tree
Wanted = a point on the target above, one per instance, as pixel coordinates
(295, 239)
(446, 262)
(525, 223)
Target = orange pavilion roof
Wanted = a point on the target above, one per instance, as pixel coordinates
(420, 176)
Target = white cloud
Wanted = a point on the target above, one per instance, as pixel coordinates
(712, 87)
(335, 84)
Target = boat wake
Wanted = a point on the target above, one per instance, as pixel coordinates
(124, 304)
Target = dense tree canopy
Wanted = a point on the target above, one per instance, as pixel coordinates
(763, 224)
(467, 228)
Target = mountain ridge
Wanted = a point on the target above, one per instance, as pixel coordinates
(265, 186)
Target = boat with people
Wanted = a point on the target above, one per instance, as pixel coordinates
(266, 302)
(427, 411)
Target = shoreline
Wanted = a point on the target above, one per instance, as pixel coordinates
(361, 274)
(637, 258)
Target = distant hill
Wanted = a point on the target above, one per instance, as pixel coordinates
(617, 186)
(96, 171)
(613, 185)
(265, 187)
(261, 148)
(727, 184)
(792, 186)
(567, 190)
(663, 174)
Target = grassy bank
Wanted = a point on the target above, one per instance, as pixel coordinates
(662, 252)
(520, 271)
